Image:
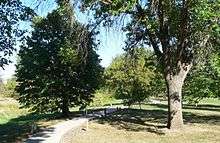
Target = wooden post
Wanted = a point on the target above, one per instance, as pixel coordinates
(87, 125)
(105, 112)
(86, 112)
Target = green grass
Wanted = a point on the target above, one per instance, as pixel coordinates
(201, 125)
(104, 98)
(212, 101)
(9, 109)
(16, 123)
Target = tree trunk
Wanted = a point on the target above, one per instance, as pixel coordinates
(65, 107)
(139, 105)
(175, 118)
(174, 89)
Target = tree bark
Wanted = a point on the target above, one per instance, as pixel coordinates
(65, 107)
(174, 90)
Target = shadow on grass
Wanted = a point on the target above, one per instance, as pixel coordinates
(154, 120)
(18, 129)
(137, 120)
(207, 107)
(150, 120)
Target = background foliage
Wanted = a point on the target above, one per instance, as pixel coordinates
(131, 77)
(12, 12)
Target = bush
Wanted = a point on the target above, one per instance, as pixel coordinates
(8, 89)
(102, 98)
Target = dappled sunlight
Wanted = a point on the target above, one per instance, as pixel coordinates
(149, 125)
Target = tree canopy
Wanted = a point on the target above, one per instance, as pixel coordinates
(176, 30)
(11, 13)
(58, 66)
(132, 76)
(203, 81)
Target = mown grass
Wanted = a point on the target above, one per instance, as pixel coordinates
(148, 125)
(127, 126)
(99, 133)
(17, 124)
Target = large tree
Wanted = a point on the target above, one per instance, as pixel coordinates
(58, 66)
(175, 29)
(12, 12)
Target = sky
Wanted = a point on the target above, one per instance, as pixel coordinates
(112, 40)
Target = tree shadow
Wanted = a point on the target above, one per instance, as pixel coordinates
(153, 121)
(38, 137)
(20, 128)
(137, 120)
(207, 107)
(201, 119)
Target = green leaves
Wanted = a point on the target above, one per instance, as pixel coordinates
(183, 31)
(11, 13)
(130, 76)
(203, 81)
(52, 75)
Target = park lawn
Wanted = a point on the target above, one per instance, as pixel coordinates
(105, 133)
(133, 125)
(16, 124)
(148, 125)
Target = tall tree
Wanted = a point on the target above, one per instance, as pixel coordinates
(11, 13)
(58, 66)
(175, 29)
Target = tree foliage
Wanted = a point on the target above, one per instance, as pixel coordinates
(8, 89)
(58, 66)
(132, 76)
(11, 13)
(175, 29)
(203, 81)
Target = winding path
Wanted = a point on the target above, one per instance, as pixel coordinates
(55, 133)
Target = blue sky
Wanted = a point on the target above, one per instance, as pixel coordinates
(112, 40)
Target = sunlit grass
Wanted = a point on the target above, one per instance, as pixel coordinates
(16, 124)
(202, 123)
(9, 108)
(105, 133)
(148, 125)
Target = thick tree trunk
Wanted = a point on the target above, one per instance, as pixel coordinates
(175, 117)
(174, 89)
